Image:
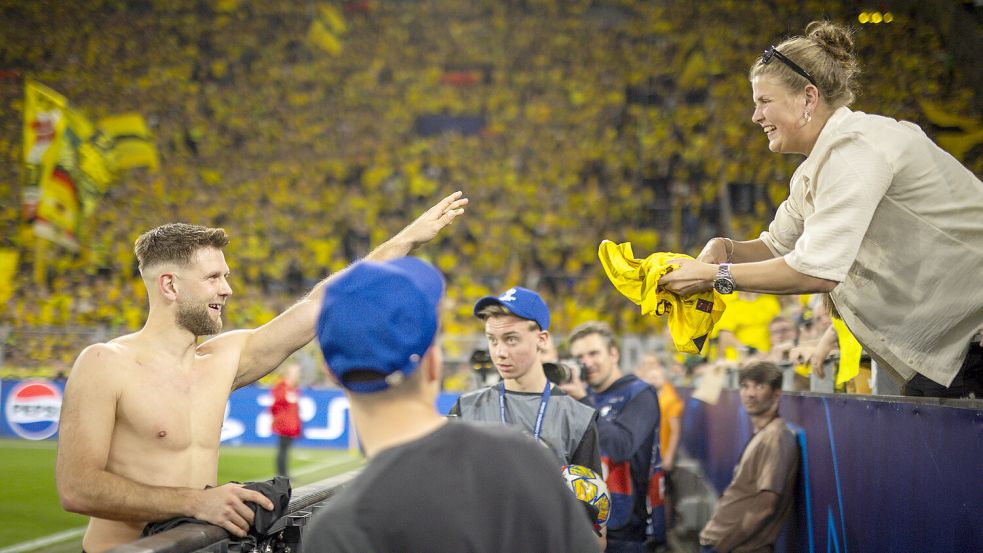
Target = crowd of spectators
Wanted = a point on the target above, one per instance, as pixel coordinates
(618, 119)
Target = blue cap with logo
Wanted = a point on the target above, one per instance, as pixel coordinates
(522, 302)
(379, 318)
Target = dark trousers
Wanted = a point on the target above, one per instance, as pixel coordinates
(283, 448)
(967, 383)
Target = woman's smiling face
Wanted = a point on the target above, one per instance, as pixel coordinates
(780, 113)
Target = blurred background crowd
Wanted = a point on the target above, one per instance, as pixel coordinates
(565, 121)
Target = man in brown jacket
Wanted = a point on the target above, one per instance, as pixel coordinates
(749, 515)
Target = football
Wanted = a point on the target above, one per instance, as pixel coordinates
(590, 488)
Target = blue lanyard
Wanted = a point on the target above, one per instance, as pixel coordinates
(537, 430)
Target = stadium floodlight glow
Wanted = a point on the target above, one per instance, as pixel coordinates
(876, 18)
(863, 18)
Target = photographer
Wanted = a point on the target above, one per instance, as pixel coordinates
(628, 430)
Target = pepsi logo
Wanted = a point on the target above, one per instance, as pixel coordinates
(33, 409)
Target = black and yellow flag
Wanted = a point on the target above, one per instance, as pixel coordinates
(129, 143)
(56, 214)
(957, 134)
(327, 28)
(70, 163)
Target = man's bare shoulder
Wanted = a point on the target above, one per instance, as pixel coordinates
(225, 350)
(226, 343)
(99, 355)
(108, 357)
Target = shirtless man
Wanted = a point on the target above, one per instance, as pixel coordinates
(142, 414)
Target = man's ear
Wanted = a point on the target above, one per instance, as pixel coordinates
(167, 285)
(431, 365)
(543, 340)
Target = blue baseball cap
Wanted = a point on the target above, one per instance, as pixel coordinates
(522, 302)
(379, 317)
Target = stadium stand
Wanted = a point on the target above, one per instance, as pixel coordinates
(582, 120)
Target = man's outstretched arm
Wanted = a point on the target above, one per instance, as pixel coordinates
(88, 416)
(264, 348)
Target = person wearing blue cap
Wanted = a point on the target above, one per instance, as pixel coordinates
(517, 328)
(428, 485)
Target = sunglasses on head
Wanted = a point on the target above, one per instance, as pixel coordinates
(773, 52)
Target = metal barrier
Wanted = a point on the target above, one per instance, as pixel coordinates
(285, 538)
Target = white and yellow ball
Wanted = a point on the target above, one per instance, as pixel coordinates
(590, 488)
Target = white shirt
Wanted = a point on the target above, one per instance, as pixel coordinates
(898, 222)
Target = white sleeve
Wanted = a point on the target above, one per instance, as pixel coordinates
(784, 230)
(850, 184)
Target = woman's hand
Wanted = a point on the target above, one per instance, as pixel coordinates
(692, 277)
(718, 250)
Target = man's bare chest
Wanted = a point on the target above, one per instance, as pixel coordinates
(172, 409)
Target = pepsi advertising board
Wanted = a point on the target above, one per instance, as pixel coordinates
(31, 409)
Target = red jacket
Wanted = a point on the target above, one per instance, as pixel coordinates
(286, 415)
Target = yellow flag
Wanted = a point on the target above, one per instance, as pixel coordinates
(59, 209)
(850, 350)
(46, 151)
(959, 143)
(939, 115)
(87, 160)
(962, 133)
(132, 144)
(8, 270)
(44, 123)
(67, 165)
(326, 29)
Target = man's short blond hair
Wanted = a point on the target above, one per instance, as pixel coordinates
(176, 243)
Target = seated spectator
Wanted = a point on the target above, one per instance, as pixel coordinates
(751, 511)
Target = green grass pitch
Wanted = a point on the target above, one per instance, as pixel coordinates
(29, 502)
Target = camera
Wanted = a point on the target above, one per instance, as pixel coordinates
(562, 372)
(484, 370)
(481, 360)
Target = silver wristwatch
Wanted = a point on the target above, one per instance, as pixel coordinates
(724, 283)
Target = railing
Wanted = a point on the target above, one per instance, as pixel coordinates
(285, 537)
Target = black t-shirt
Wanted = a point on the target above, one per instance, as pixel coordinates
(465, 487)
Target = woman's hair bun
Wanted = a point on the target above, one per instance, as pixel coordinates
(836, 40)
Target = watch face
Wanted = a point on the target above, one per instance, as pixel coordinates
(723, 286)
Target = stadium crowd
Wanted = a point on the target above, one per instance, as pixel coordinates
(622, 119)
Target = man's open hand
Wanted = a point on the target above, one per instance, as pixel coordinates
(428, 225)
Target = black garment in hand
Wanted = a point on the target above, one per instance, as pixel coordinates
(276, 490)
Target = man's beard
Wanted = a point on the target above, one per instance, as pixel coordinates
(196, 320)
(759, 408)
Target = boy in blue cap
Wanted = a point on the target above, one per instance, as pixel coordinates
(517, 328)
(428, 485)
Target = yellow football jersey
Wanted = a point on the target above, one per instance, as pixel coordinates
(690, 319)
